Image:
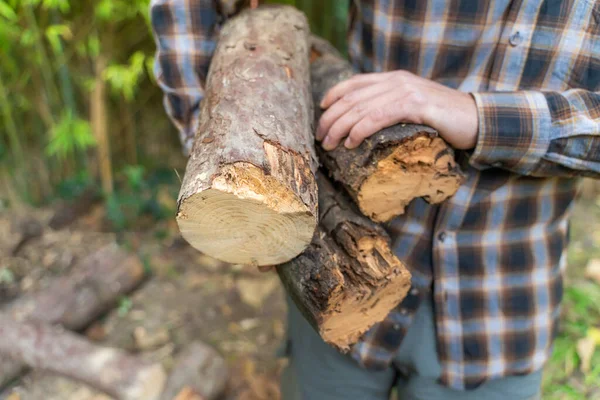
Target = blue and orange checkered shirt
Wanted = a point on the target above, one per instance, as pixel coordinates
(492, 256)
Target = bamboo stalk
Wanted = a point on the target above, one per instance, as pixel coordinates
(98, 117)
(11, 127)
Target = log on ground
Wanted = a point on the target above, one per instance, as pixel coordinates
(348, 279)
(50, 348)
(75, 300)
(249, 195)
(199, 371)
(392, 167)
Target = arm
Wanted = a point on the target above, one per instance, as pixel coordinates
(528, 132)
(539, 133)
(185, 33)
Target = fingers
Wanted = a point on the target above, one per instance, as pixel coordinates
(379, 113)
(339, 118)
(354, 83)
(368, 126)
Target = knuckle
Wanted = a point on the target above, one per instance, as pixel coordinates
(377, 115)
(348, 98)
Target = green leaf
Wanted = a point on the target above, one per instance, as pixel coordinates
(54, 33)
(69, 135)
(7, 12)
(62, 5)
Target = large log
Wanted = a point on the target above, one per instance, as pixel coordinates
(348, 279)
(51, 348)
(75, 300)
(249, 194)
(392, 167)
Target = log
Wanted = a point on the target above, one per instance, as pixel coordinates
(75, 300)
(50, 348)
(199, 370)
(249, 195)
(348, 279)
(392, 167)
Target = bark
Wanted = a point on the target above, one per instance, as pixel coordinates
(390, 168)
(75, 300)
(43, 346)
(198, 370)
(348, 279)
(249, 195)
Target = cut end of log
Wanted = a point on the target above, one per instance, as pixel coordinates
(422, 167)
(354, 314)
(247, 217)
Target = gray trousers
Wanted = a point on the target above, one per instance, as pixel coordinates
(317, 371)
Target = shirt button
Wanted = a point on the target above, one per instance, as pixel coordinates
(396, 327)
(515, 39)
(403, 311)
(414, 291)
(441, 236)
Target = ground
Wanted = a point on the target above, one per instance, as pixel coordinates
(239, 310)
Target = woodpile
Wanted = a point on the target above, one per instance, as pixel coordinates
(249, 194)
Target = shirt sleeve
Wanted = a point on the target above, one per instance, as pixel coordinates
(185, 33)
(539, 133)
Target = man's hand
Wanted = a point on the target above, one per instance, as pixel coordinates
(366, 103)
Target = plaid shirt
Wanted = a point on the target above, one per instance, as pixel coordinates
(493, 255)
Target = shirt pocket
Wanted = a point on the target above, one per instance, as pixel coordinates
(585, 68)
(565, 47)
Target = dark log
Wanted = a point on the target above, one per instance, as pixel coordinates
(392, 167)
(198, 370)
(75, 300)
(249, 194)
(68, 212)
(50, 348)
(348, 279)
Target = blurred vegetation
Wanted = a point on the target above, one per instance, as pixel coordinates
(78, 104)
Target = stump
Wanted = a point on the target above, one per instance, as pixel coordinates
(249, 194)
(390, 168)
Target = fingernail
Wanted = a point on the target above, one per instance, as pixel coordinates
(348, 143)
(327, 143)
(318, 134)
(322, 103)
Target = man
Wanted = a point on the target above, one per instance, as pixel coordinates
(513, 86)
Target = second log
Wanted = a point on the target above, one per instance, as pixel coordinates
(392, 167)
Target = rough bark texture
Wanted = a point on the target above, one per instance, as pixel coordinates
(249, 195)
(78, 298)
(390, 168)
(199, 370)
(348, 279)
(51, 348)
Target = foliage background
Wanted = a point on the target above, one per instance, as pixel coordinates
(79, 109)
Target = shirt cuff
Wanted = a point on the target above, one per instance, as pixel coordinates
(515, 129)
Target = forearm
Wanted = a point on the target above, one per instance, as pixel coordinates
(185, 33)
(539, 133)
